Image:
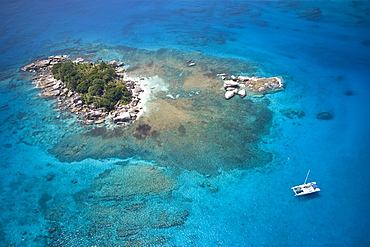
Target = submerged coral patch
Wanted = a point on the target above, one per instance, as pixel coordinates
(128, 205)
(324, 116)
(136, 180)
(349, 93)
(142, 131)
(292, 113)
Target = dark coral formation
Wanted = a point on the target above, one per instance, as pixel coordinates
(349, 93)
(292, 113)
(324, 116)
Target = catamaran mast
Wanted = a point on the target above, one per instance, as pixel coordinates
(307, 176)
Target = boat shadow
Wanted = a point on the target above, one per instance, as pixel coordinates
(309, 197)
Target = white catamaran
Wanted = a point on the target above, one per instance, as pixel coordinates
(306, 188)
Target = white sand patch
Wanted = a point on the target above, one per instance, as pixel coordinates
(150, 86)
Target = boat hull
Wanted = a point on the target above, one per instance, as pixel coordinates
(305, 189)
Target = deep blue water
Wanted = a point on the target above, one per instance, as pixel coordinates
(322, 50)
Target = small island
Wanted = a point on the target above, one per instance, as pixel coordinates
(93, 91)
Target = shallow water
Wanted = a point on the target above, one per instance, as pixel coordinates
(187, 124)
(194, 169)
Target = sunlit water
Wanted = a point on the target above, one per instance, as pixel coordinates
(194, 169)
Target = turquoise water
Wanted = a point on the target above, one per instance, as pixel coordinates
(195, 169)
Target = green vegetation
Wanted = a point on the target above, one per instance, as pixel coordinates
(96, 83)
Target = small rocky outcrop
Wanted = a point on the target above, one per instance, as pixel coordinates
(324, 116)
(191, 63)
(254, 86)
(122, 117)
(242, 93)
(230, 93)
(115, 63)
(46, 64)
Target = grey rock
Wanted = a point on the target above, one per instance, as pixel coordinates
(76, 99)
(138, 89)
(99, 121)
(243, 78)
(96, 114)
(78, 60)
(134, 102)
(230, 83)
(120, 70)
(51, 93)
(89, 122)
(42, 63)
(115, 63)
(229, 94)
(122, 117)
(242, 93)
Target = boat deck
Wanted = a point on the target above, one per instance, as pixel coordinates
(305, 189)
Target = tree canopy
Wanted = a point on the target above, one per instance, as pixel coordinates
(96, 82)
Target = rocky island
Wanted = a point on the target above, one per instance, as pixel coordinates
(254, 86)
(94, 92)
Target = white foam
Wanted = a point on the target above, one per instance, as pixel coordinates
(150, 86)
